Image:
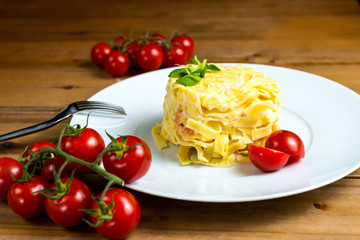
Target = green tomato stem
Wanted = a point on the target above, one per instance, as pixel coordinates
(102, 205)
(129, 41)
(94, 165)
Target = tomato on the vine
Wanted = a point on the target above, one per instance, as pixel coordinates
(24, 199)
(150, 57)
(35, 147)
(67, 211)
(187, 42)
(87, 145)
(149, 52)
(54, 163)
(158, 41)
(131, 51)
(287, 142)
(266, 159)
(125, 214)
(131, 161)
(117, 63)
(99, 53)
(130, 46)
(122, 40)
(8, 166)
(177, 55)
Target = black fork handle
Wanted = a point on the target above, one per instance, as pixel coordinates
(63, 114)
(29, 130)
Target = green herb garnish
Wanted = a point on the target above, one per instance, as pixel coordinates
(192, 74)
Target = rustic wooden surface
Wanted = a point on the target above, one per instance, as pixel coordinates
(45, 64)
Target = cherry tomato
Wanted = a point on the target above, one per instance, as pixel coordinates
(150, 57)
(47, 170)
(266, 159)
(6, 181)
(158, 42)
(66, 211)
(177, 55)
(287, 142)
(24, 200)
(121, 41)
(131, 51)
(99, 53)
(86, 146)
(133, 164)
(131, 48)
(36, 147)
(117, 63)
(187, 42)
(126, 214)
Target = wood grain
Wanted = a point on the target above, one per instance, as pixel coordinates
(45, 65)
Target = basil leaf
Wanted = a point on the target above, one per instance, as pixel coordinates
(195, 61)
(203, 68)
(201, 72)
(213, 67)
(192, 74)
(189, 80)
(189, 68)
(178, 73)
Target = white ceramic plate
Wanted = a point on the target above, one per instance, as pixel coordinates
(323, 113)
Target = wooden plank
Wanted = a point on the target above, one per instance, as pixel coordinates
(330, 211)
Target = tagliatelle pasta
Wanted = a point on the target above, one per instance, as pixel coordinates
(215, 120)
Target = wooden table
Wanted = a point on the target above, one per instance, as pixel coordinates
(45, 65)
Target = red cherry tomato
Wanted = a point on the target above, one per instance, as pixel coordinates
(185, 41)
(150, 57)
(177, 55)
(267, 160)
(47, 170)
(158, 42)
(117, 64)
(6, 181)
(36, 147)
(287, 142)
(99, 53)
(24, 200)
(66, 211)
(133, 164)
(131, 51)
(86, 146)
(126, 214)
(121, 41)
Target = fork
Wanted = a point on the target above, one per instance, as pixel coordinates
(64, 114)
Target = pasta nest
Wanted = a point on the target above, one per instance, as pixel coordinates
(214, 121)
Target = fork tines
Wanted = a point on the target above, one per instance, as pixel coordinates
(93, 105)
